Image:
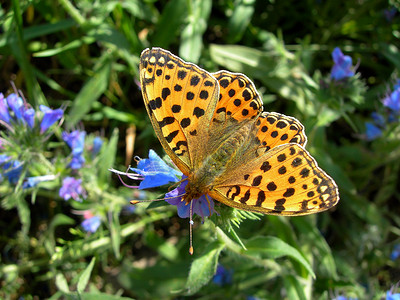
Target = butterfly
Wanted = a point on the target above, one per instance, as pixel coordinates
(213, 127)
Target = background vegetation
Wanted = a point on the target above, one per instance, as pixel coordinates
(83, 56)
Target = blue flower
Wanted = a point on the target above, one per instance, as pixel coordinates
(75, 140)
(392, 101)
(4, 114)
(390, 13)
(97, 143)
(155, 172)
(395, 253)
(372, 131)
(29, 117)
(201, 206)
(4, 158)
(13, 170)
(391, 296)
(222, 276)
(77, 162)
(72, 188)
(91, 224)
(378, 119)
(17, 106)
(31, 182)
(343, 64)
(50, 117)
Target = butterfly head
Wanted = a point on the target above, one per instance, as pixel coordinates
(193, 190)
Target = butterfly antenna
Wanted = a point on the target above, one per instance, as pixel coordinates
(154, 200)
(191, 228)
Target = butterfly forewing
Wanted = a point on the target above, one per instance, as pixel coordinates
(180, 99)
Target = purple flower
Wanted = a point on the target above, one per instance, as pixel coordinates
(75, 140)
(91, 224)
(72, 188)
(50, 117)
(372, 131)
(4, 114)
(201, 206)
(13, 170)
(155, 172)
(97, 143)
(393, 100)
(395, 253)
(222, 276)
(343, 64)
(31, 182)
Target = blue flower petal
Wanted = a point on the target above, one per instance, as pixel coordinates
(17, 106)
(395, 253)
(13, 170)
(4, 114)
(75, 140)
(29, 117)
(71, 188)
(31, 182)
(50, 117)
(201, 206)
(222, 276)
(372, 131)
(77, 162)
(91, 224)
(97, 143)
(391, 296)
(342, 65)
(393, 101)
(156, 172)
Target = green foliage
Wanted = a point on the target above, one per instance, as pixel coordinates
(83, 56)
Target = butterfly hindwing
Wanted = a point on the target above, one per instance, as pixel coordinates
(284, 181)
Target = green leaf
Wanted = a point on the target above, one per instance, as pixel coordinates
(115, 231)
(204, 267)
(324, 259)
(89, 93)
(276, 67)
(192, 35)
(85, 276)
(295, 289)
(107, 157)
(173, 16)
(24, 215)
(271, 247)
(62, 284)
(240, 19)
(102, 296)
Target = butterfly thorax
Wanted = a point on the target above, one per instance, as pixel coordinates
(202, 179)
